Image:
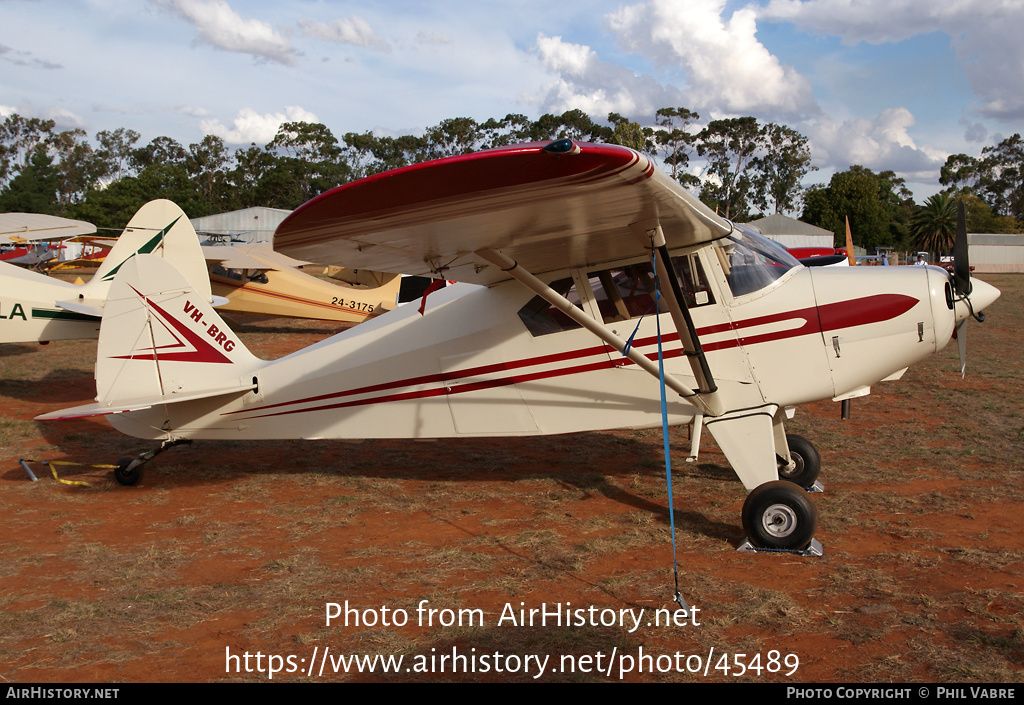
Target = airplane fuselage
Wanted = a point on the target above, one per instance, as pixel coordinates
(28, 310)
(473, 367)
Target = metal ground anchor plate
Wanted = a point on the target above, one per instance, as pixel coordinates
(814, 549)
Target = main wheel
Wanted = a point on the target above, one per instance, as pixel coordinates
(125, 476)
(779, 515)
(806, 462)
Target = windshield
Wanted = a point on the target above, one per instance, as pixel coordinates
(751, 261)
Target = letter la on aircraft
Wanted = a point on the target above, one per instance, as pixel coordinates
(557, 248)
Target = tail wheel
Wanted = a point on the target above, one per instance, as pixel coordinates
(779, 515)
(806, 462)
(125, 476)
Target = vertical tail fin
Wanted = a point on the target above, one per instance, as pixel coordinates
(160, 337)
(160, 227)
(162, 343)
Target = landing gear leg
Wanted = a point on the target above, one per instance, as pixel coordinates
(129, 470)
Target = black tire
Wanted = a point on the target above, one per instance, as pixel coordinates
(127, 477)
(806, 462)
(779, 515)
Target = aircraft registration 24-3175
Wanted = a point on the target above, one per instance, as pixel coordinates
(563, 251)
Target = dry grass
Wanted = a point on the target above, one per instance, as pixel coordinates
(242, 545)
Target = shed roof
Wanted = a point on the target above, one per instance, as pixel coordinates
(779, 224)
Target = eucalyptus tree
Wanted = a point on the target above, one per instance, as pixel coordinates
(393, 152)
(43, 170)
(631, 134)
(572, 124)
(33, 188)
(982, 219)
(730, 146)
(79, 167)
(676, 142)
(160, 150)
(115, 149)
(511, 129)
(997, 176)
(452, 136)
(207, 165)
(878, 207)
(314, 157)
(158, 171)
(781, 168)
(19, 139)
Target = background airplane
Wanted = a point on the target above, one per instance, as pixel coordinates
(604, 284)
(255, 279)
(30, 239)
(35, 307)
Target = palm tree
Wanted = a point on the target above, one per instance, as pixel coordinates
(933, 227)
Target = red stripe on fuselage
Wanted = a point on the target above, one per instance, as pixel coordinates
(835, 316)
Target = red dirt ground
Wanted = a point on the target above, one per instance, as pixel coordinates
(229, 548)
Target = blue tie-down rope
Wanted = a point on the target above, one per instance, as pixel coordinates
(677, 596)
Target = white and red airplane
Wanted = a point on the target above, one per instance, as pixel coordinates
(38, 308)
(564, 251)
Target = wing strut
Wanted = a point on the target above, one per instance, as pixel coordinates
(513, 269)
(706, 386)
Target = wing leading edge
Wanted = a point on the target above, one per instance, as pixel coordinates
(550, 206)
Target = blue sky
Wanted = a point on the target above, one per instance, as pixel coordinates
(889, 84)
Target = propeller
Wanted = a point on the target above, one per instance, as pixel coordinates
(961, 265)
(962, 286)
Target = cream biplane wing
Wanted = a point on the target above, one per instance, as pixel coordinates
(36, 227)
(35, 307)
(91, 250)
(580, 248)
(255, 279)
(27, 239)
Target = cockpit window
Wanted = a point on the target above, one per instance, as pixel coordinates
(220, 271)
(751, 261)
(621, 293)
(628, 292)
(541, 318)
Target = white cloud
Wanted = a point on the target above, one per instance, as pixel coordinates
(728, 71)
(218, 25)
(426, 37)
(883, 143)
(25, 58)
(352, 30)
(63, 118)
(192, 110)
(596, 87)
(249, 126)
(984, 33)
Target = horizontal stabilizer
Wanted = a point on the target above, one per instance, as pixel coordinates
(90, 307)
(105, 408)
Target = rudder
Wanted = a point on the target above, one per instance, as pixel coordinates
(161, 338)
(159, 227)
